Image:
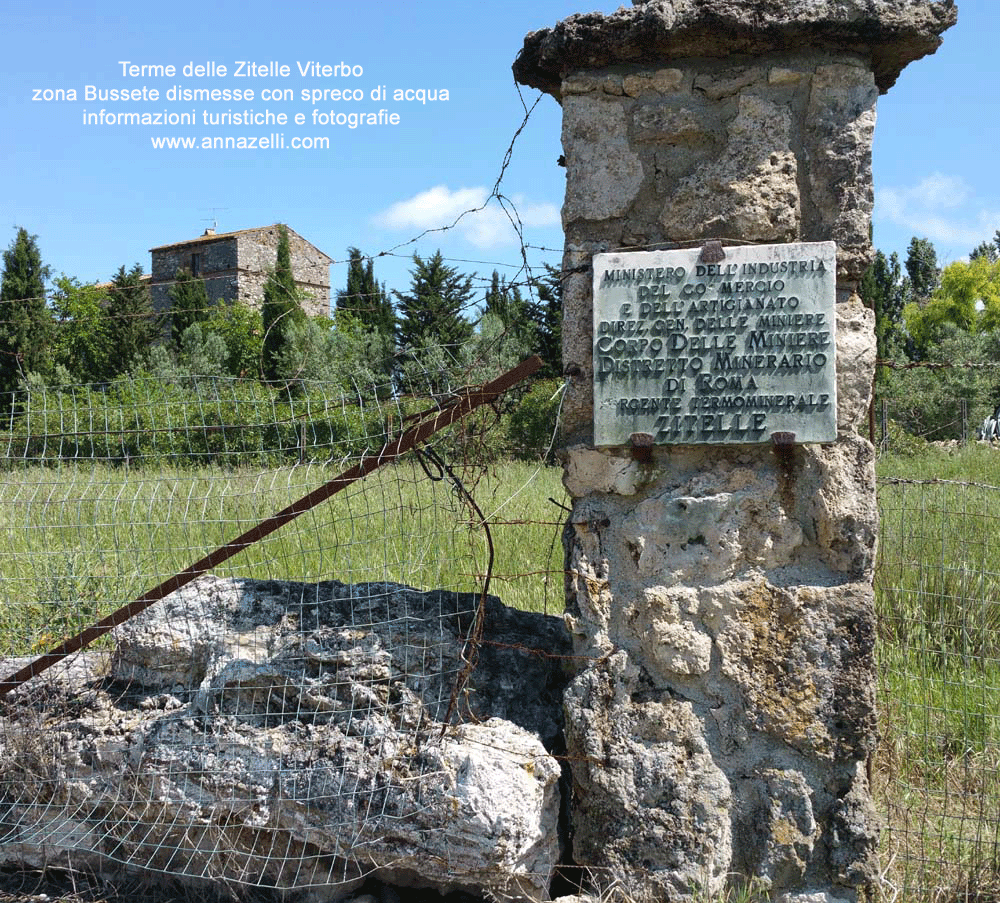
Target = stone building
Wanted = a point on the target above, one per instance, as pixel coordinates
(235, 265)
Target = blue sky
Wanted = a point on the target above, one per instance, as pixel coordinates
(101, 196)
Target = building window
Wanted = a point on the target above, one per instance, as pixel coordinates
(195, 264)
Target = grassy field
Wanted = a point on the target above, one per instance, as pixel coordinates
(77, 542)
(938, 603)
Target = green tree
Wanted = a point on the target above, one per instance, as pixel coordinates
(882, 290)
(546, 314)
(83, 342)
(988, 249)
(188, 303)
(922, 268)
(505, 302)
(985, 249)
(241, 328)
(431, 330)
(967, 299)
(432, 312)
(26, 324)
(132, 324)
(975, 285)
(281, 308)
(364, 298)
(200, 353)
(505, 334)
(341, 352)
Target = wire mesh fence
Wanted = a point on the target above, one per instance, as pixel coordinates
(938, 604)
(278, 719)
(348, 633)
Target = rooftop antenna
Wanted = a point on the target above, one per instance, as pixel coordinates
(213, 219)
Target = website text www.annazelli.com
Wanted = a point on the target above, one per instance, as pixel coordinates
(273, 141)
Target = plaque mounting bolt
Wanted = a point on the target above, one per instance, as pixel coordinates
(642, 447)
(712, 252)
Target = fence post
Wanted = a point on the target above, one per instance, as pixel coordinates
(668, 598)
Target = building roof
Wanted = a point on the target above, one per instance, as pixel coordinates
(144, 278)
(210, 235)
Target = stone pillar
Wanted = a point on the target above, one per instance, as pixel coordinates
(722, 594)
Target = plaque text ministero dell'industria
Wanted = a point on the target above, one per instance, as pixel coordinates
(690, 352)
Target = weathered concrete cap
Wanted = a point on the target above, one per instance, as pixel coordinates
(891, 33)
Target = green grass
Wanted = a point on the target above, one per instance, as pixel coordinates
(77, 542)
(938, 605)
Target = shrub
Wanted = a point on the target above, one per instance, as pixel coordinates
(531, 426)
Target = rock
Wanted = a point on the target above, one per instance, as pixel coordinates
(662, 81)
(801, 658)
(308, 735)
(654, 122)
(596, 141)
(750, 190)
(787, 828)
(709, 536)
(855, 327)
(841, 116)
(653, 808)
(854, 840)
(888, 33)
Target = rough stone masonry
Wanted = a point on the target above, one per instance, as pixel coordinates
(723, 593)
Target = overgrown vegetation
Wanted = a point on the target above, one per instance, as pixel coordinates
(443, 334)
(938, 334)
(938, 605)
(104, 535)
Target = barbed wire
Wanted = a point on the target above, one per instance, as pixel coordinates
(508, 206)
(108, 493)
(938, 365)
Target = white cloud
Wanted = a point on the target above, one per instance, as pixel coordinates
(938, 208)
(940, 190)
(485, 225)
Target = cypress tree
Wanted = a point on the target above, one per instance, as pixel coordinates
(922, 269)
(281, 308)
(882, 291)
(132, 323)
(546, 314)
(26, 324)
(188, 303)
(364, 299)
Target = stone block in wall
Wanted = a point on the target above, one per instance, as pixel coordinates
(656, 809)
(605, 173)
(801, 659)
(837, 143)
(855, 332)
(678, 126)
(787, 830)
(750, 191)
(659, 81)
